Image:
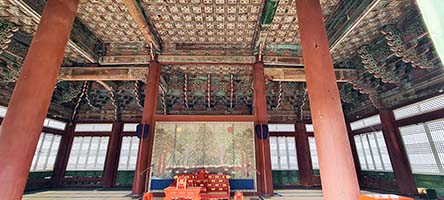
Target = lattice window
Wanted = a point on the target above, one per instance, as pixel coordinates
(309, 128)
(281, 127)
(129, 127)
(419, 149)
(88, 153)
(94, 127)
(421, 107)
(46, 152)
(361, 153)
(313, 153)
(366, 122)
(283, 153)
(372, 152)
(385, 157)
(55, 124)
(436, 130)
(3, 111)
(128, 153)
(367, 152)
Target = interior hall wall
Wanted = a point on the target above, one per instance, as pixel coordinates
(217, 147)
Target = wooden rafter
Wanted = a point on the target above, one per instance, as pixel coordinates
(138, 17)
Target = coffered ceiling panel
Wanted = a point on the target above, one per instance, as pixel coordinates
(284, 28)
(205, 24)
(110, 20)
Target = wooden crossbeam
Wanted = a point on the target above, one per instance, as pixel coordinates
(103, 73)
(141, 73)
(298, 74)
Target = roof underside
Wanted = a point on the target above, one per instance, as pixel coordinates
(208, 48)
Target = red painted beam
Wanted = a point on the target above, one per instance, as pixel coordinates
(366, 129)
(53, 131)
(129, 133)
(30, 100)
(204, 118)
(89, 133)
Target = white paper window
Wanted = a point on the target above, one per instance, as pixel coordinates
(313, 152)
(436, 130)
(46, 152)
(283, 153)
(55, 124)
(3, 111)
(94, 127)
(417, 143)
(281, 127)
(128, 153)
(421, 107)
(366, 122)
(372, 152)
(130, 127)
(309, 128)
(88, 153)
(361, 153)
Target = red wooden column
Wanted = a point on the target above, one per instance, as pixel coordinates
(397, 153)
(263, 157)
(338, 176)
(30, 100)
(146, 145)
(354, 150)
(112, 155)
(63, 155)
(303, 153)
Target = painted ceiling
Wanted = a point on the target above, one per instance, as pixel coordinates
(383, 41)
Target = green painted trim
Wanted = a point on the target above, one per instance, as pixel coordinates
(125, 178)
(285, 177)
(269, 11)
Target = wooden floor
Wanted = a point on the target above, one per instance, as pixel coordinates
(70, 194)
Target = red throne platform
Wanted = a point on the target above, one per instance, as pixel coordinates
(212, 186)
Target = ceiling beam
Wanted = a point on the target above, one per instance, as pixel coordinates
(36, 18)
(140, 73)
(141, 22)
(103, 73)
(298, 74)
(355, 24)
